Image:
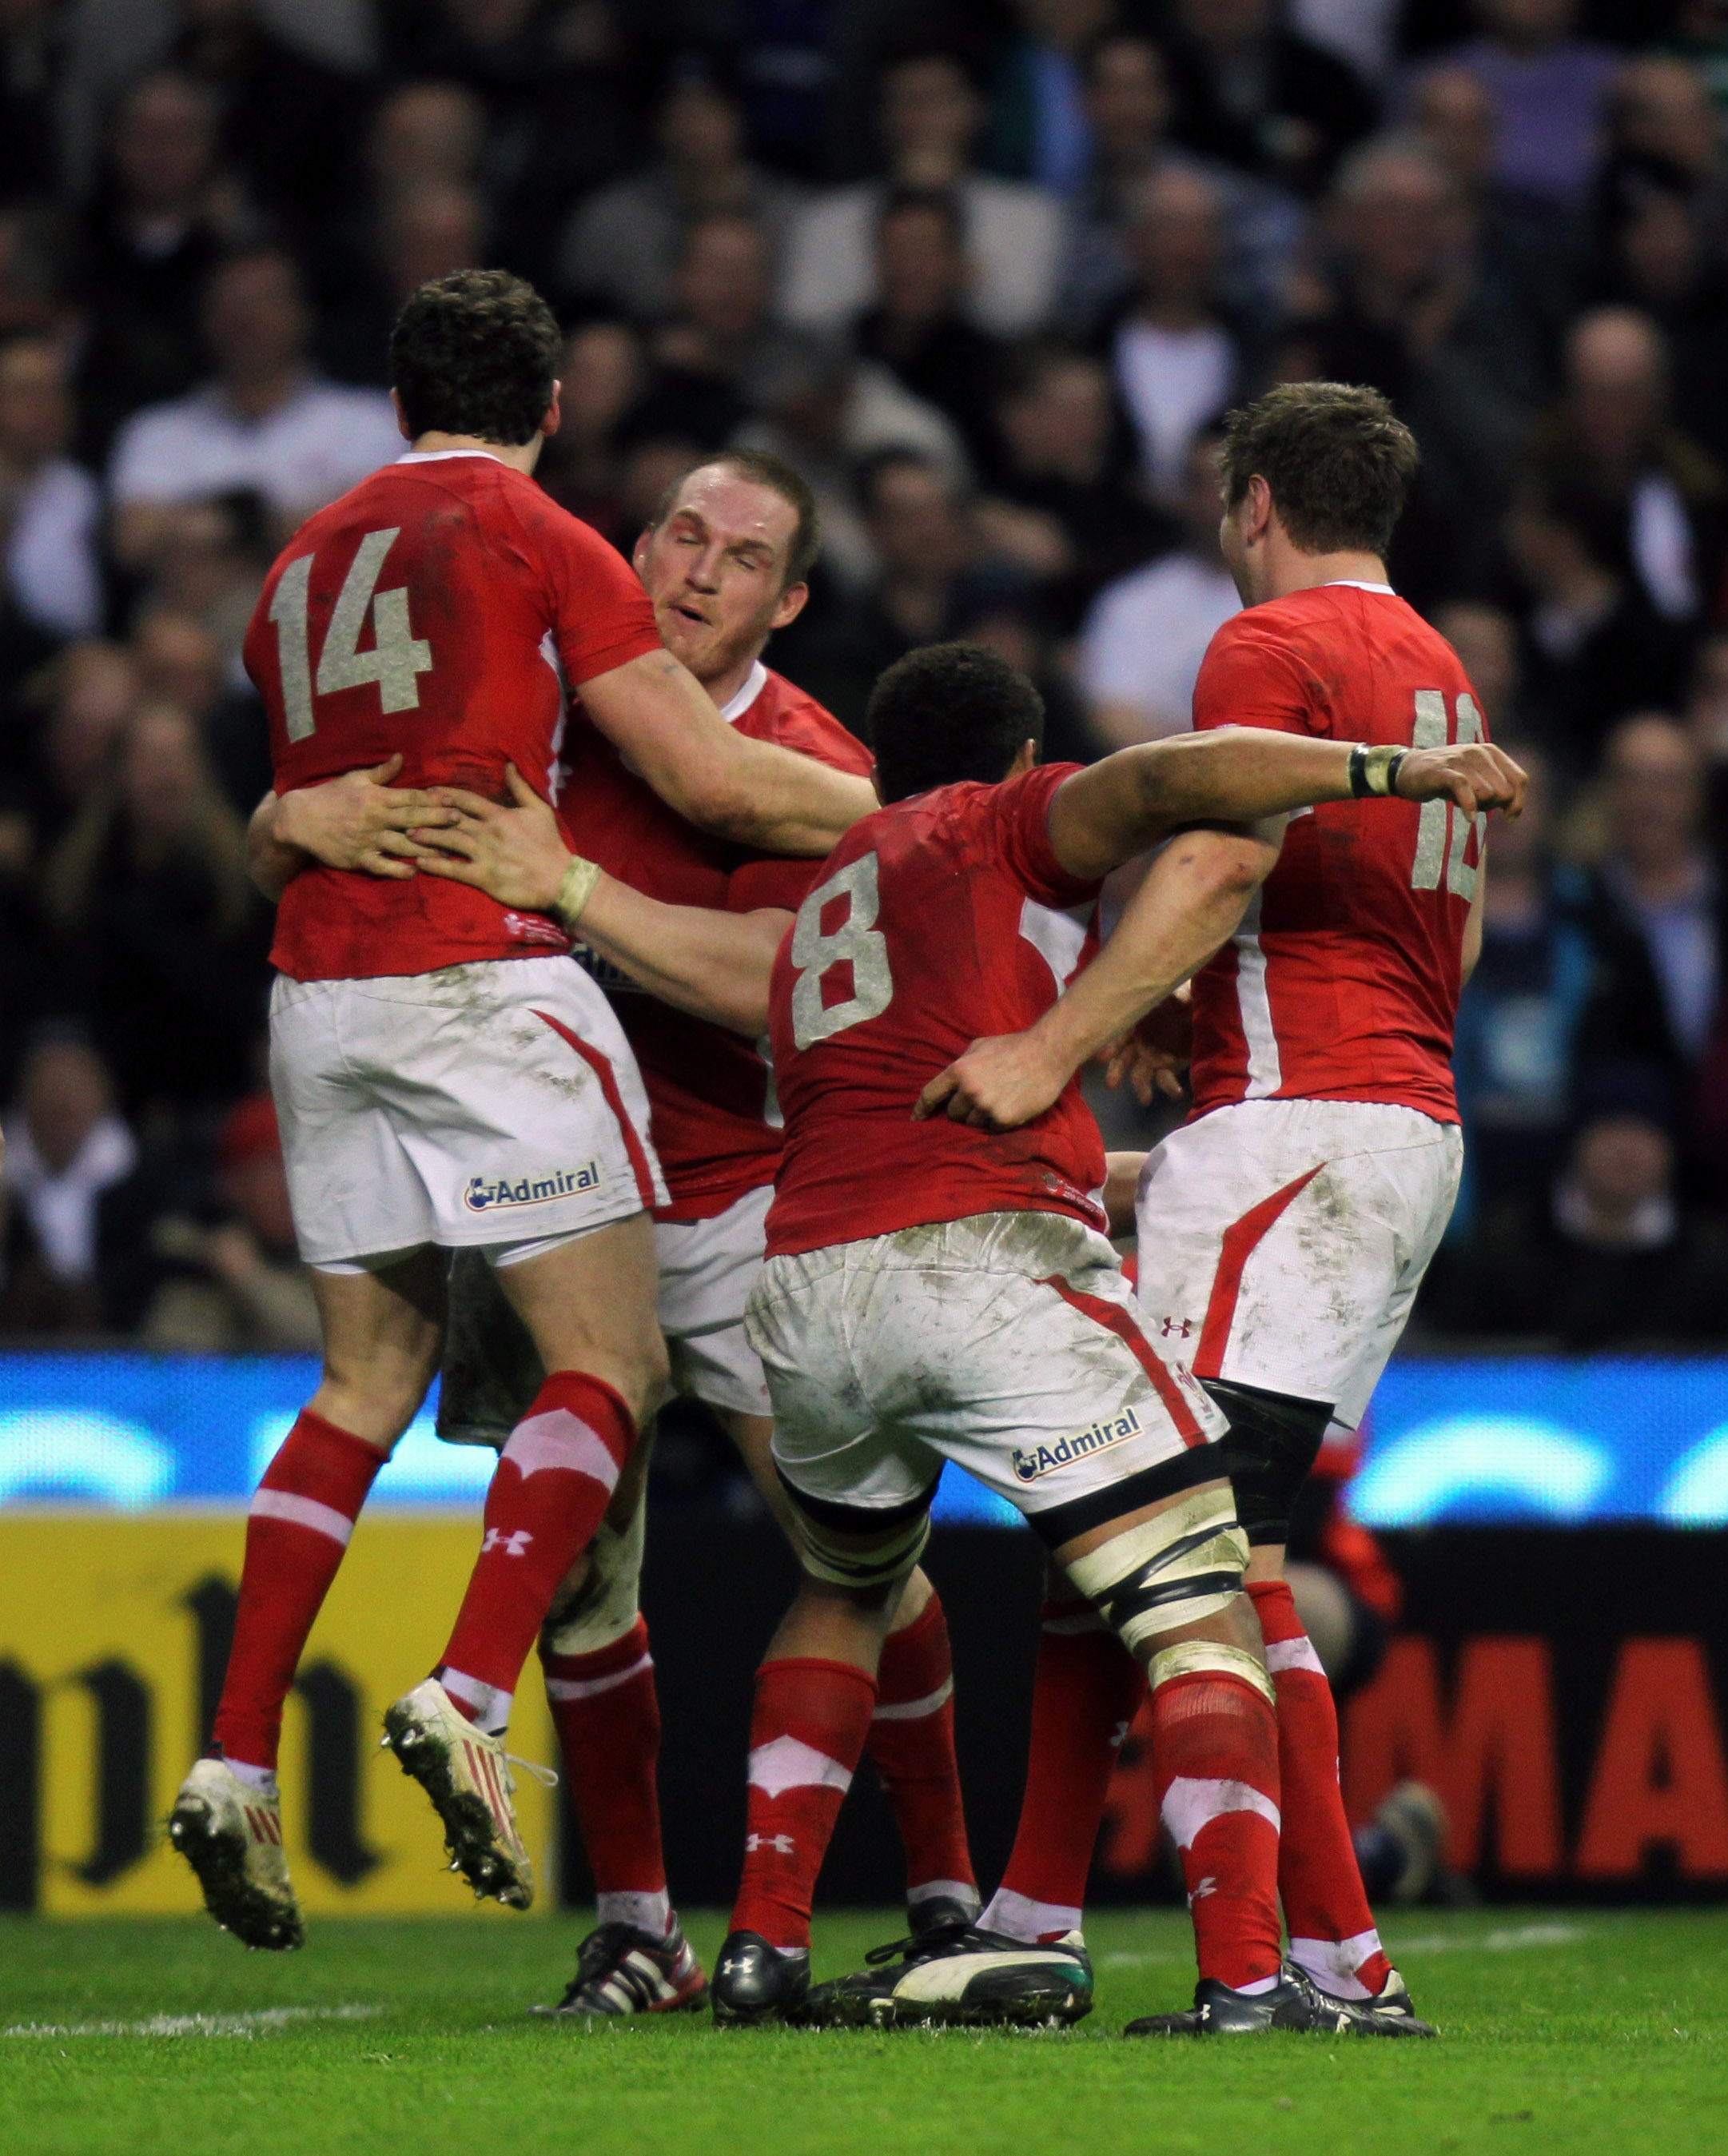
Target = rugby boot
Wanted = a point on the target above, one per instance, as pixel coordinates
(622, 1970)
(754, 1983)
(466, 1774)
(1293, 2002)
(959, 1976)
(231, 1835)
(936, 1913)
(1392, 2003)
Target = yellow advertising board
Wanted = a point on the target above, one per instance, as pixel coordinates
(114, 1633)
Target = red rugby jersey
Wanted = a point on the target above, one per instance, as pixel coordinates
(935, 921)
(1342, 983)
(715, 1126)
(439, 609)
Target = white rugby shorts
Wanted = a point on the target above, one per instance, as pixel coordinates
(1007, 1343)
(1282, 1242)
(487, 1105)
(707, 1269)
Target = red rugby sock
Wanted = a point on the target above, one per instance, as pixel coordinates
(297, 1534)
(806, 1736)
(554, 1480)
(1086, 1692)
(911, 1741)
(1215, 1764)
(607, 1714)
(1332, 1933)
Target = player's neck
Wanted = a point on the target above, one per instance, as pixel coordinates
(723, 686)
(519, 456)
(1283, 570)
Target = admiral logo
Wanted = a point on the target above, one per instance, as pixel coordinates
(1046, 1458)
(485, 1194)
(535, 928)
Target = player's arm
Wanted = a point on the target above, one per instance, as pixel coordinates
(665, 723)
(1104, 816)
(359, 821)
(1122, 1186)
(1472, 924)
(714, 965)
(1192, 900)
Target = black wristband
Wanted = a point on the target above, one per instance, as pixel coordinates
(1359, 771)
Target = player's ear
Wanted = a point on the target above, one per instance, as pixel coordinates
(1025, 757)
(791, 604)
(402, 418)
(553, 417)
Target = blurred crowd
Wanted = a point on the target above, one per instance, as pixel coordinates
(988, 272)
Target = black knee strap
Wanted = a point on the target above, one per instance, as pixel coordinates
(1273, 1440)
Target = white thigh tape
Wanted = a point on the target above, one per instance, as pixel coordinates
(1194, 1658)
(605, 1608)
(1183, 1565)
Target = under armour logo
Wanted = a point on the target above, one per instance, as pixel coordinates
(512, 1545)
(1120, 1737)
(1177, 1328)
(782, 1844)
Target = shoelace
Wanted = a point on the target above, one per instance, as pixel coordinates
(547, 1776)
(938, 1936)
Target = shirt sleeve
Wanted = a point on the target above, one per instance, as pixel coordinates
(1248, 680)
(601, 615)
(1020, 812)
(772, 882)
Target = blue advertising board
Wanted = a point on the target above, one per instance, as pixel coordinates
(1522, 1441)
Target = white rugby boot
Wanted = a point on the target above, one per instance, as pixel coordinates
(466, 1774)
(231, 1835)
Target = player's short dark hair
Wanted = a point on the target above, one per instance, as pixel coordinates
(949, 712)
(762, 468)
(475, 353)
(1338, 459)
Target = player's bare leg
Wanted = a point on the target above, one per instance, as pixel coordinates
(589, 1306)
(912, 1740)
(381, 1334)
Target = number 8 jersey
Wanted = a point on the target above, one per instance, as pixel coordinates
(439, 609)
(934, 922)
(1342, 983)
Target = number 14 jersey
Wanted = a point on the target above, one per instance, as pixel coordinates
(1342, 983)
(934, 922)
(440, 609)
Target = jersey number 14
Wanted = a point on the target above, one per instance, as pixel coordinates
(1443, 831)
(398, 657)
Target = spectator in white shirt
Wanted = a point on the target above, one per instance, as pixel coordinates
(931, 118)
(50, 506)
(1177, 364)
(1142, 643)
(266, 422)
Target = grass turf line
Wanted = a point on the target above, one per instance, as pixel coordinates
(1586, 2032)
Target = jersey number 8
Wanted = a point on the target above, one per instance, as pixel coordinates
(1440, 820)
(395, 662)
(857, 942)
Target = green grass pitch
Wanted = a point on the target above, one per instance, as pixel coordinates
(1573, 2032)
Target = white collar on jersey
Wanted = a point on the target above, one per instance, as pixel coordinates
(1355, 584)
(438, 456)
(754, 684)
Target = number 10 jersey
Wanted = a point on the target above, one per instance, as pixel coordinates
(1342, 983)
(440, 609)
(934, 922)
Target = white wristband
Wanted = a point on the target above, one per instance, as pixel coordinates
(574, 892)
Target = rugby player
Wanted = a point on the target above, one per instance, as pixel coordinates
(1285, 1228)
(724, 561)
(936, 1291)
(445, 1078)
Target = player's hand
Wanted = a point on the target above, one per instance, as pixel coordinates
(516, 855)
(997, 1084)
(1155, 1054)
(360, 821)
(1474, 776)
